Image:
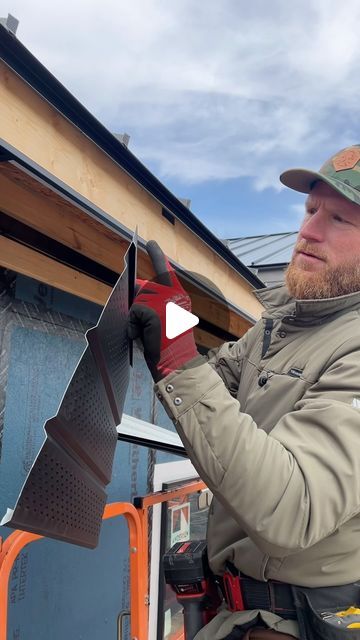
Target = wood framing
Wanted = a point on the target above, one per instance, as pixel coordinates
(30, 202)
(28, 262)
(37, 130)
(23, 260)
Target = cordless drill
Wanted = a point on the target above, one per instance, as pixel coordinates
(188, 573)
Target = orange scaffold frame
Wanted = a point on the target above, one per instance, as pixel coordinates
(137, 520)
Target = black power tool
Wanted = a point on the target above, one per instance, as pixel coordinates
(188, 573)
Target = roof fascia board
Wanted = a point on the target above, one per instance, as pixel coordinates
(25, 65)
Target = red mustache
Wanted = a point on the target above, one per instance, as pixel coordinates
(306, 247)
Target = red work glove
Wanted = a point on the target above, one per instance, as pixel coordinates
(147, 318)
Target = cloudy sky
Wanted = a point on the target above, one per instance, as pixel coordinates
(218, 96)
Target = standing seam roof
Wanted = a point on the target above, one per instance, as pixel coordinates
(264, 250)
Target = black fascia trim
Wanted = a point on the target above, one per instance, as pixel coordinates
(267, 267)
(5, 156)
(34, 170)
(29, 237)
(24, 63)
(168, 216)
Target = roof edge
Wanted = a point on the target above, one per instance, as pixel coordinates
(261, 235)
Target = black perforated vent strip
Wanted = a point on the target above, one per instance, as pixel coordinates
(85, 422)
(59, 497)
(109, 344)
(64, 494)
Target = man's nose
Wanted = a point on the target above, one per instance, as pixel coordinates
(314, 226)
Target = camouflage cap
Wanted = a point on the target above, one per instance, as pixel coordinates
(341, 171)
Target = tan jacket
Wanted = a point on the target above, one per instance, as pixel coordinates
(282, 457)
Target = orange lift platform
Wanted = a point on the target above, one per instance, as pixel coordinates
(137, 518)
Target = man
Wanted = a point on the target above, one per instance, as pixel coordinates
(272, 422)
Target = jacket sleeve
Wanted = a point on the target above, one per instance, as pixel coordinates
(227, 361)
(288, 489)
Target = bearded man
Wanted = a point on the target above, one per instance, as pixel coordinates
(272, 424)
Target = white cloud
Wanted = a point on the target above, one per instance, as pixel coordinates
(209, 89)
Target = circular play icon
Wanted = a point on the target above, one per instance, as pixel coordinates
(178, 320)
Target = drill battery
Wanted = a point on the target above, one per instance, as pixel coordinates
(187, 571)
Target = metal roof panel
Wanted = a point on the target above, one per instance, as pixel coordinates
(266, 249)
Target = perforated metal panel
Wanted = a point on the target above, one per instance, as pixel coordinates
(60, 499)
(109, 344)
(64, 494)
(84, 421)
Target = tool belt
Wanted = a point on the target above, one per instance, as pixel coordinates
(242, 592)
(316, 608)
(313, 608)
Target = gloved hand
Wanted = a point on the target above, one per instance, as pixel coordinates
(147, 317)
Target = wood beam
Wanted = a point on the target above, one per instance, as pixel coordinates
(205, 339)
(30, 263)
(215, 311)
(39, 207)
(27, 200)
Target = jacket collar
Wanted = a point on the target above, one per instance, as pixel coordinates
(277, 298)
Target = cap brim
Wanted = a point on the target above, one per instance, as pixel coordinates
(303, 180)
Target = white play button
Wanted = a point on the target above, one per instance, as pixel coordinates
(178, 320)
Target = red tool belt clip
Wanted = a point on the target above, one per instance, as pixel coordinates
(233, 594)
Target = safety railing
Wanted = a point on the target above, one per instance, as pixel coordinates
(137, 520)
(14, 544)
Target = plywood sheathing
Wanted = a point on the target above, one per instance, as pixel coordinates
(37, 130)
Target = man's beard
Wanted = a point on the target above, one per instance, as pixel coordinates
(329, 282)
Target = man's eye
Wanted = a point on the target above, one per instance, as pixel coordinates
(339, 219)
